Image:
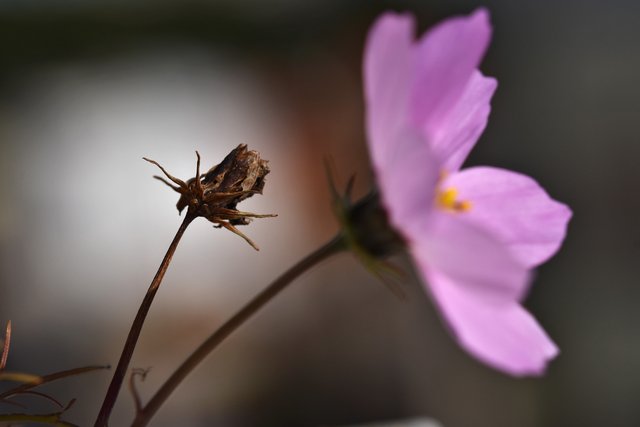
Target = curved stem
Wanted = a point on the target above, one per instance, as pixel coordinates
(136, 328)
(332, 247)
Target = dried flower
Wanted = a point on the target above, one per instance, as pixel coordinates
(216, 194)
(473, 234)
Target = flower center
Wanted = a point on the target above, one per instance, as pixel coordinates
(447, 199)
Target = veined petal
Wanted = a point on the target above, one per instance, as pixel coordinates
(388, 63)
(506, 337)
(445, 60)
(472, 258)
(463, 126)
(515, 208)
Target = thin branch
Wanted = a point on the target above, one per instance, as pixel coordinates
(49, 378)
(44, 396)
(5, 346)
(134, 333)
(333, 247)
(11, 402)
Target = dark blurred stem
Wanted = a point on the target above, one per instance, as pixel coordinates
(134, 332)
(334, 246)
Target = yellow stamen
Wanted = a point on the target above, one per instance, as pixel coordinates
(447, 200)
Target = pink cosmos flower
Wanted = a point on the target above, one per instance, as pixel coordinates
(475, 233)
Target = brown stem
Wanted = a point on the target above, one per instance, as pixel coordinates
(332, 247)
(134, 332)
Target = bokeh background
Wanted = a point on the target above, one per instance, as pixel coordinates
(89, 87)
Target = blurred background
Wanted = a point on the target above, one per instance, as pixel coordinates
(89, 87)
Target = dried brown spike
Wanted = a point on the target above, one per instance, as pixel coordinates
(215, 195)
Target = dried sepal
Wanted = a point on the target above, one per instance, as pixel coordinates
(366, 231)
(216, 194)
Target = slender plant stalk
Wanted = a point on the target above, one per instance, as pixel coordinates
(337, 244)
(134, 332)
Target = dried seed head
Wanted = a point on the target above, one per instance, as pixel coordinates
(216, 194)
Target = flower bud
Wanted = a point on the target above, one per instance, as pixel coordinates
(369, 227)
(216, 194)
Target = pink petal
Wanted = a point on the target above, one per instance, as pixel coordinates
(479, 264)
(465, 123)
(507, 337)
(408, 182)
(445, 60)
(515, 208)
(406, 169)
(388, 64)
